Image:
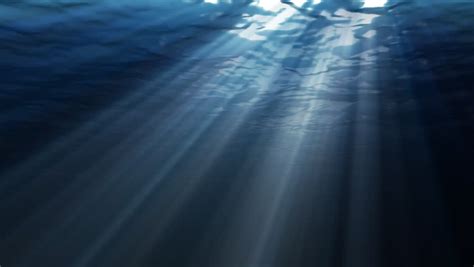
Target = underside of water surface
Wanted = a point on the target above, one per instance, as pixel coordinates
(214, 133)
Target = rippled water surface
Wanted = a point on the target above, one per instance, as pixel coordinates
(207, 133)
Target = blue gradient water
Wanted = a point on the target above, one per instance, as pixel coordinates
(185, 133)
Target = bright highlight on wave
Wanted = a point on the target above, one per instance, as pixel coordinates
(268, 4)
(375, 3)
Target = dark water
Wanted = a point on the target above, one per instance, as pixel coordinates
(165, 133)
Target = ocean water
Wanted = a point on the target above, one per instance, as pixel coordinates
(189, 133)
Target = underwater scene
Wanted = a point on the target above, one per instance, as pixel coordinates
(237, 133)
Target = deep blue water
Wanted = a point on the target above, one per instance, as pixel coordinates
(184, 133)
